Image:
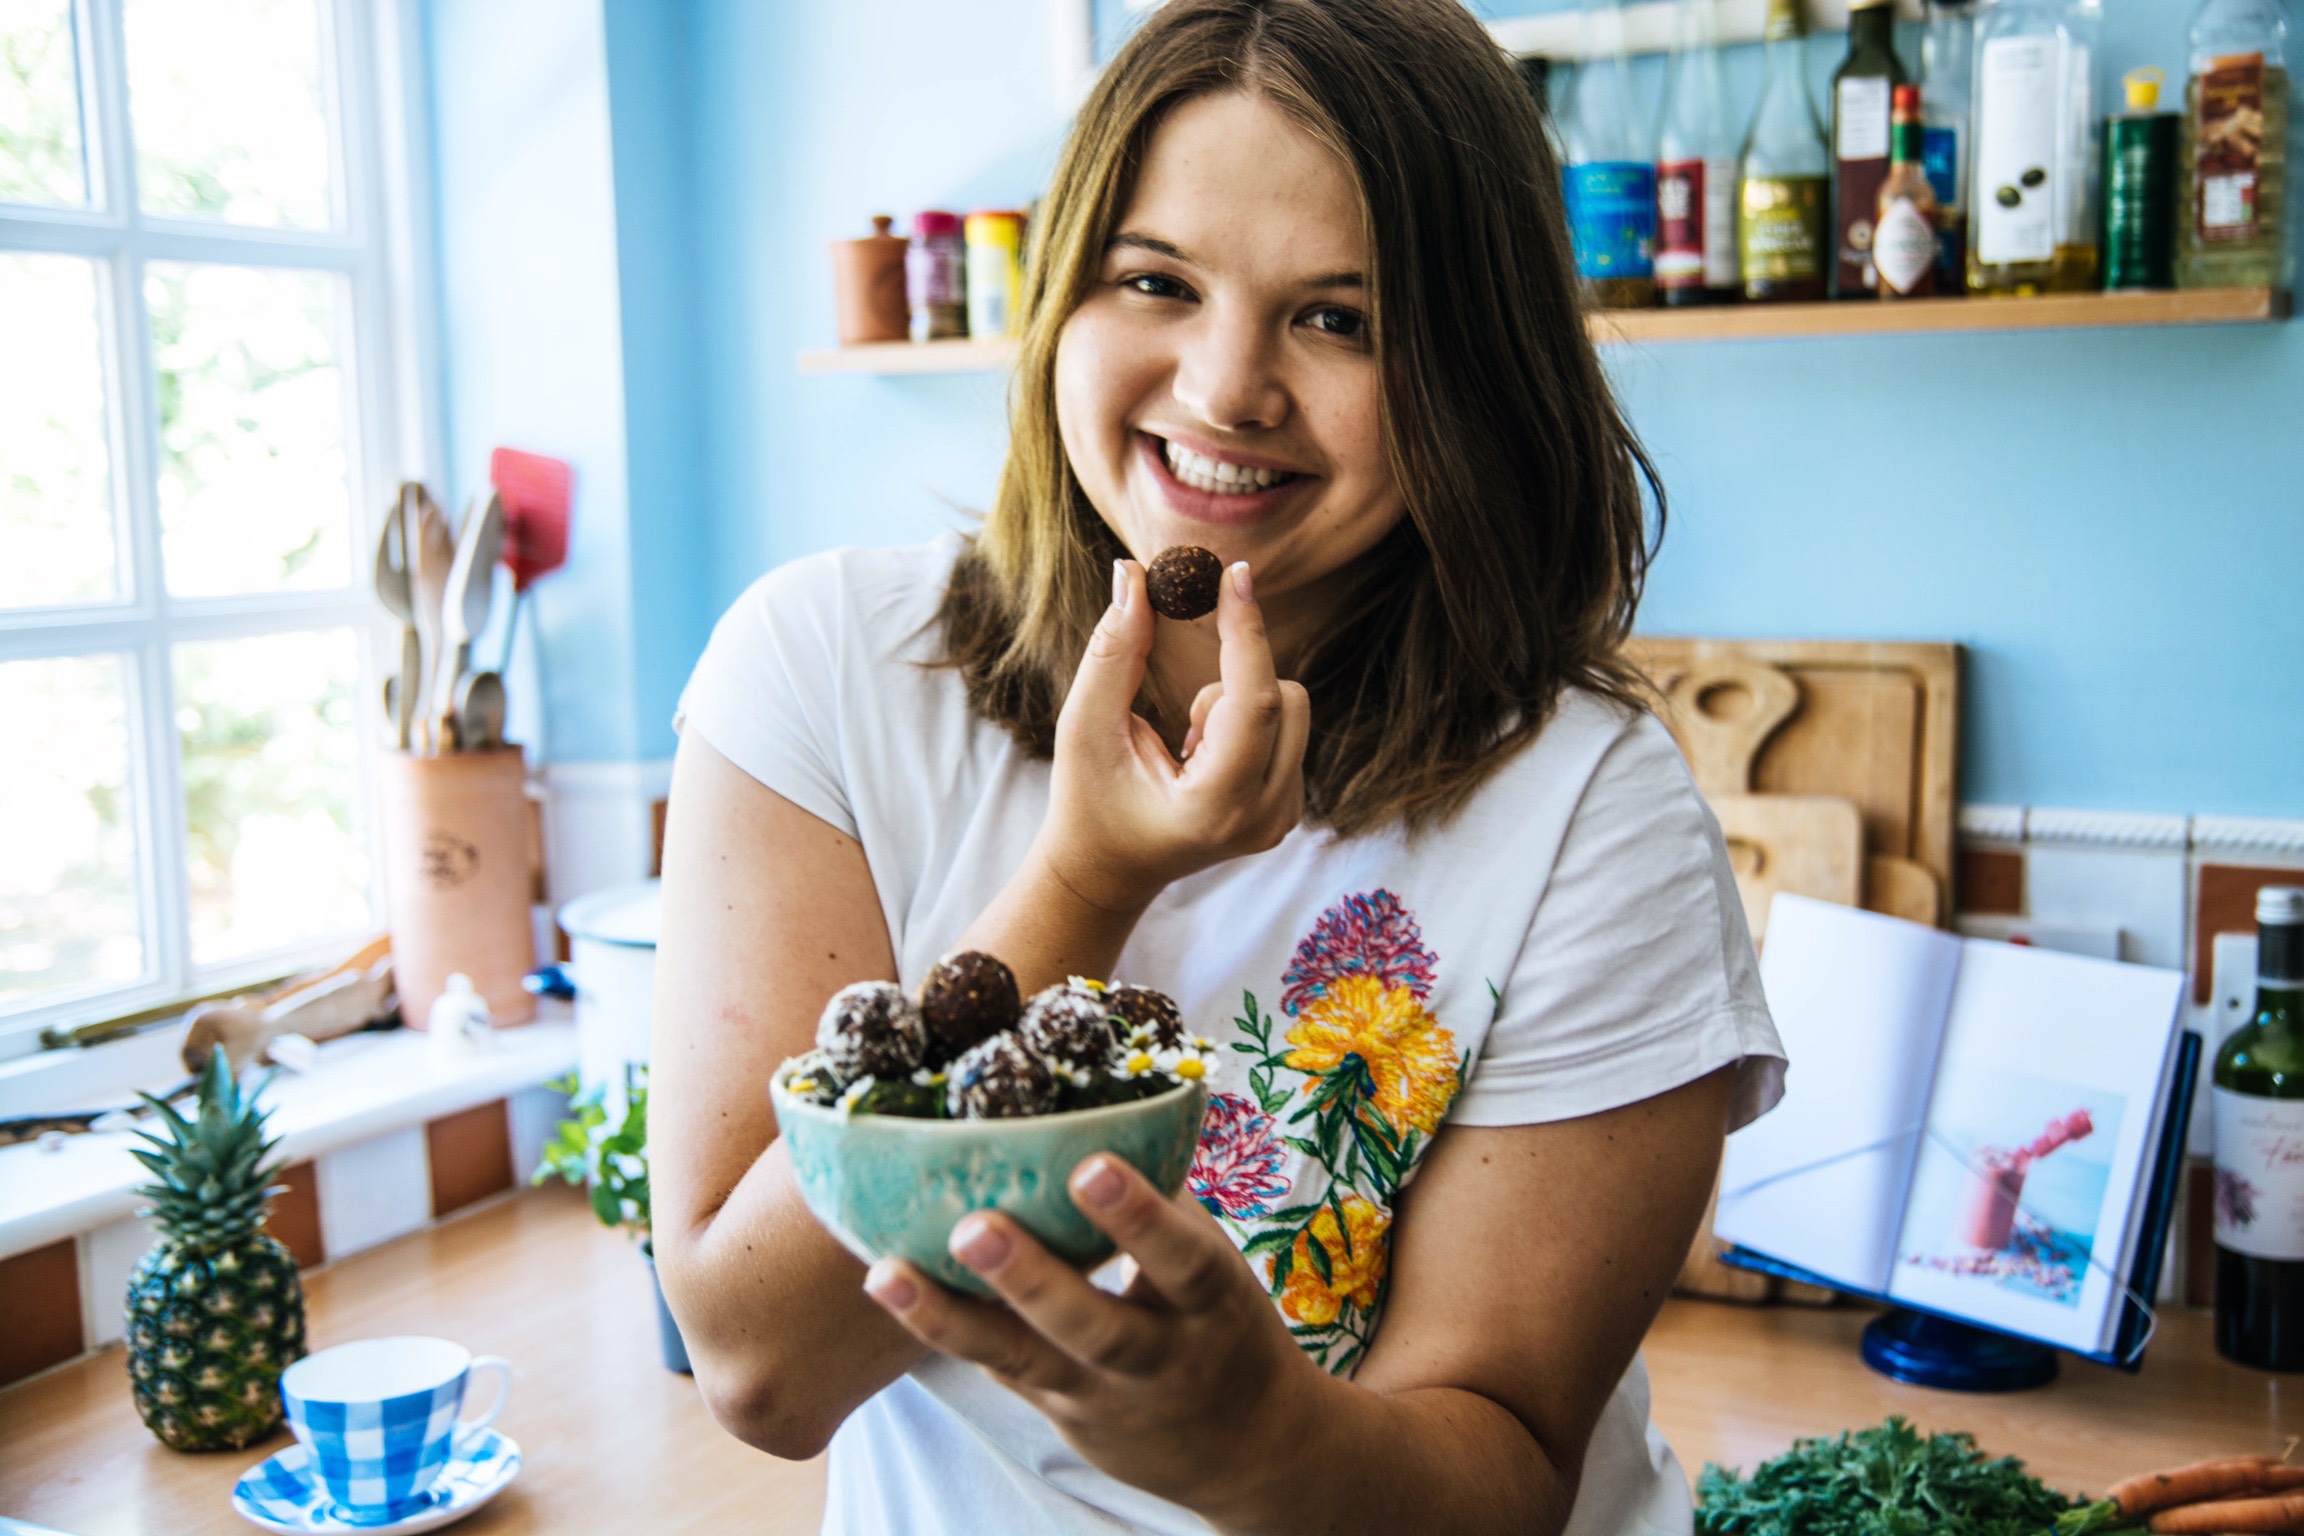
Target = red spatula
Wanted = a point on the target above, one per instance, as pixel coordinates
(534, 489)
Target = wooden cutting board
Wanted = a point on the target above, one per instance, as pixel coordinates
(1808, 845)
(1873, 722)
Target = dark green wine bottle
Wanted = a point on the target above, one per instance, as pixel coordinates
(2260, 1153)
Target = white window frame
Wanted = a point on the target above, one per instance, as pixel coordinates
(371, 52)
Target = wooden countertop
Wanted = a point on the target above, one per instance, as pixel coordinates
(612, 1441)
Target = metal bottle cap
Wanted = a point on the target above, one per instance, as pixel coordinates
(2280, 904)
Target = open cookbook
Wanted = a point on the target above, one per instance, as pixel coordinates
(1969, 1127)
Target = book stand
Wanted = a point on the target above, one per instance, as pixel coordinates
(1934, 1349)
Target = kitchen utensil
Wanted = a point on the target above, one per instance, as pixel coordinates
(480, 711)
(535, 490)
(1808, 845)
(392, 590)
(1902, 888)
(464, 604)
(432, 554)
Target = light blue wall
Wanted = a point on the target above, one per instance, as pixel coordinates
(2109, 521)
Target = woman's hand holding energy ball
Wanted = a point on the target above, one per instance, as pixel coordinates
(1125, 815)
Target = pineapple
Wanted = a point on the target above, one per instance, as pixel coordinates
(215, 1311)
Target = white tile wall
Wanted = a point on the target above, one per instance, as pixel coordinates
(374, 1191)
(108, 1255)
(2143, 892)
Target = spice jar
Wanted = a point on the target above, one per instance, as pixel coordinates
(995, 272)
(936, 277)
(868, 285)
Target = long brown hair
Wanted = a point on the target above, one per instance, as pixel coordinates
(1518, 565)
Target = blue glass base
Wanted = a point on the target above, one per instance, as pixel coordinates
(1930, 1351)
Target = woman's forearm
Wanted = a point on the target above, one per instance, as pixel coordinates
(784, 1343)
(1440, 1460)
(1047, 928)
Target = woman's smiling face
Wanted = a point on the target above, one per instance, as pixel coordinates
(1216, 386)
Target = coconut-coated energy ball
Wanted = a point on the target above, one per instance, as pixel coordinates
(1143, 1008)
(968, 997)
(1070, 1025)
(1001, 1078)
(871, 1029)
(1182, 581)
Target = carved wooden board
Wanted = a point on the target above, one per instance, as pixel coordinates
(1876, 722)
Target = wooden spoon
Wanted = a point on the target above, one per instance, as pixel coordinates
(432, 553)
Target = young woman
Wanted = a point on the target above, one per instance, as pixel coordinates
(1391, 821)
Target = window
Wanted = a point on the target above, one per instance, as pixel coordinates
(201, 349)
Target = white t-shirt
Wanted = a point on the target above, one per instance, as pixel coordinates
(1571, 941)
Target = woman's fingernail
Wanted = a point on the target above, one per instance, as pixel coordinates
(1101, 1186)
(1240, 582)
(980, 1245)
(891, 1287)
(1120, 584)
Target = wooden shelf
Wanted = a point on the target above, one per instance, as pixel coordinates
(1728, 322)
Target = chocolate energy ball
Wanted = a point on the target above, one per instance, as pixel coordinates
(871, 1029)
(1070, 1025)
(1001, 1078)
(968, 997)
(1143, 1008)
(1182, 581)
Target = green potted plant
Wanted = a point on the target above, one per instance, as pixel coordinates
(611, 1162)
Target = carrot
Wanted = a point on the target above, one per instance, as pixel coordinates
(2280, 1512)
(2190, 1485)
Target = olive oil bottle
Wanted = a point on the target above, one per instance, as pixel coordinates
(1862, 88)
(2033, 228)
(2232, 197)
(2259, 1108)
(1782, 232)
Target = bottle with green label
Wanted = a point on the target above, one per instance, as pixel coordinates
(2034, 225)
(2233, 164)
(1782, 235)
(2259, 1110)
(1862, 89)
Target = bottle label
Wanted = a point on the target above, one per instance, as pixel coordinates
(1940, 158)
(2260, 1175)
(1696, 223)
(2229, 140)
(1861, 112)
(1612, 218)
(2016, 113)
(1780, 229)
(1904, 247)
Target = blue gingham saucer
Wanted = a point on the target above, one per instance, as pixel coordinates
(280, 1493)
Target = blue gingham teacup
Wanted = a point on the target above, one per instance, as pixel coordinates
(378, 1419)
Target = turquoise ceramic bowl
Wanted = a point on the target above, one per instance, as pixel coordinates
(886, 1185)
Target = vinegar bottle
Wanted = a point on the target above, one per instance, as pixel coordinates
(1781, 233)
(2259, 1109)
(1696, 146)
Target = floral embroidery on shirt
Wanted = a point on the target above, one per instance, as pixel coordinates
(1349, 1083)
(1236, 1168)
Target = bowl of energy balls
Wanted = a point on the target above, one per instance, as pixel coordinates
(913, 1111)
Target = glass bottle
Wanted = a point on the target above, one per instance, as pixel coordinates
(2033, 227)
(1783, 173)
(1904, 229)
(2232, 195)
(1611, 172)
(1861, 89)
(1696, 145)
(2259, 1109)
(1947, 58)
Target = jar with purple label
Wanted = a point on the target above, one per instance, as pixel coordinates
(936, 277)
